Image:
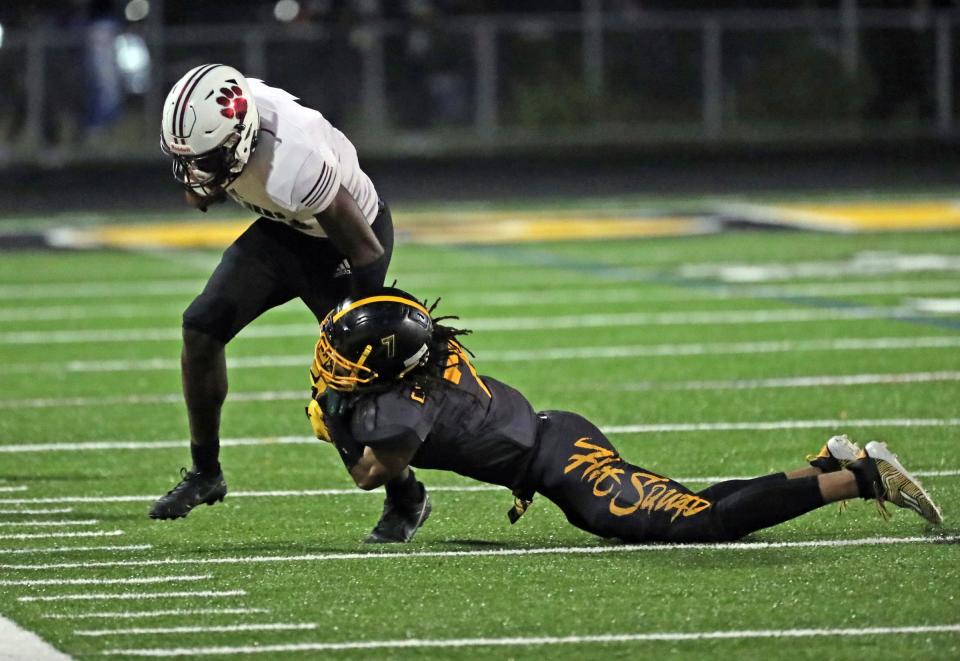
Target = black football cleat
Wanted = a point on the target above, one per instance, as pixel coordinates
(194, 489)
(400, 520)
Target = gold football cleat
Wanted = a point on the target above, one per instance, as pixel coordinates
(898, 486)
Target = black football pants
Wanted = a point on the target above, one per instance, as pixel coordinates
(271, 264)
(578, 469)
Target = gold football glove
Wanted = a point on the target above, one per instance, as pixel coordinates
(315, 414)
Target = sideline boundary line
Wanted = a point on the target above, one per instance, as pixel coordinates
(27, 644)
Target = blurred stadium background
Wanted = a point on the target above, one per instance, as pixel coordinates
(470, 99)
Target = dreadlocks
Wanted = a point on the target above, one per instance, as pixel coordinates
(446, 351)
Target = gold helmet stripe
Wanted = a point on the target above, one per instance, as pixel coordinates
(380, 299)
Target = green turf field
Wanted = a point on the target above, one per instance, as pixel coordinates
(696, 365)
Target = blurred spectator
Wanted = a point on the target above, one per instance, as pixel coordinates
(428, 80)
(104, 82)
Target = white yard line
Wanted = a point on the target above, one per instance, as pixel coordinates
(55, 510)
(581, 295)
(133, 595)
(226, 628)
(176, 612)
(680, 292)
(866, 263)
(149, 288)
(258, 494)
(530, 355)
(12, 489)
(528, 641)
(43, 403)
(936, 305)
(98, 311)
(790, 382)
(491, 324)
(77, 549)
(686, 318)
(86, 446)
(819, 381)
(46, 535)
(89, 522)
(780, 425)
(559, 550)
(148, 580)
(17, 644)
(313, 493)
(722, 348)
(89, 446)
(104, 288)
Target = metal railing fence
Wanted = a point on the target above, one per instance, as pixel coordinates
(495, 84)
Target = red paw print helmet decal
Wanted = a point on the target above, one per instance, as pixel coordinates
(234, 105)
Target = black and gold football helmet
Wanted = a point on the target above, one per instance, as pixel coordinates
(372, 341)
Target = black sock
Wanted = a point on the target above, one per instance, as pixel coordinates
(868, 479)
(206, 458)
(767, 504)
(723, 489)
(404, 489)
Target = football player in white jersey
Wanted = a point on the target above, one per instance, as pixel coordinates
(323, 233)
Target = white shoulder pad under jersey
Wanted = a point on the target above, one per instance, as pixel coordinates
(300, 163)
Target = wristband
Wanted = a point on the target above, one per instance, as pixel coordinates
(368, 278)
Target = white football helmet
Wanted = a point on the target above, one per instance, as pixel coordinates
(209, 128)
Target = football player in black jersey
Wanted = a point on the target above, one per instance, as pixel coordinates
(393, 388)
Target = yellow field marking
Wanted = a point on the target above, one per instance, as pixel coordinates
(514, 228)
(426, 228)
(209, 234)
(872, 216)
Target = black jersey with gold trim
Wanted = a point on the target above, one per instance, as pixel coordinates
(472, 425)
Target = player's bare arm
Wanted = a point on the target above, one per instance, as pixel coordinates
(346, 227)
(378, 466)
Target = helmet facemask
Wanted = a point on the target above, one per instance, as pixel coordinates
(339, 372)
(209, 173)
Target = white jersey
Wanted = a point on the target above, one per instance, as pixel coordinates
(300, 163)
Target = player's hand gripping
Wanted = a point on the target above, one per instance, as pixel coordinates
(317, 421)
(327, 408)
